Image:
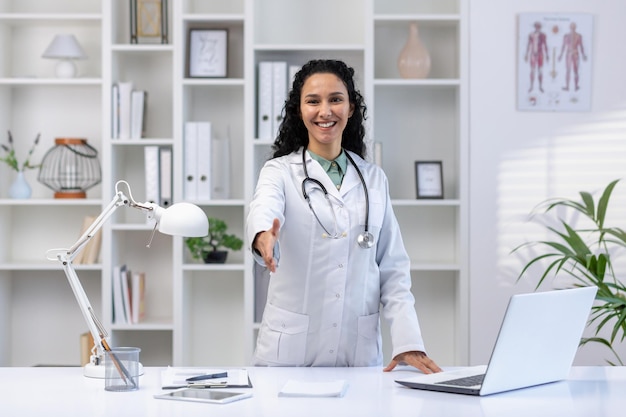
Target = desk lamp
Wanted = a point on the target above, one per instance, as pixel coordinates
(180, 219)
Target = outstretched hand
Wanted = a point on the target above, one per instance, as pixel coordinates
(264, 243)
(414, 358)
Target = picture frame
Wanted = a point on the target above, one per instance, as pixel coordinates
(207, 53)
(555, 62)
(148, 21)
(429, 179)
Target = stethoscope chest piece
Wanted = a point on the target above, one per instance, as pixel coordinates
(365, 240)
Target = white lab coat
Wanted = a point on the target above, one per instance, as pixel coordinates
(324, 299)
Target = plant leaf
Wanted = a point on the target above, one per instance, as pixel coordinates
(603, 203)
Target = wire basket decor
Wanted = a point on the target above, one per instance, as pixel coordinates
(70, 168)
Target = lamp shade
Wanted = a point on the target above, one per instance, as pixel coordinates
(182, 219)
(64, 46)
(70, 168)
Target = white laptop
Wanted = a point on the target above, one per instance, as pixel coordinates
(536, 345)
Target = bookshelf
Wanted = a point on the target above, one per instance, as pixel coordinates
(198, 314)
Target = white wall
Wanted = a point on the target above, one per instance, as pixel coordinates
(520, 158)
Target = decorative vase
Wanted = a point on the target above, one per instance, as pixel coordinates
(20, 188)
(414, 59)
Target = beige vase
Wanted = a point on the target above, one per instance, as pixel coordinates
(414, 59)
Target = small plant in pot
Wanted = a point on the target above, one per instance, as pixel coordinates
(583, 247)
(213, 248)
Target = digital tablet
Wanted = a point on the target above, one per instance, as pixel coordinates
(203, 395)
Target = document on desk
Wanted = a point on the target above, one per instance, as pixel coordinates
(295, 388)
(181, 377)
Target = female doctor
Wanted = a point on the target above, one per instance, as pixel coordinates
(321, 221)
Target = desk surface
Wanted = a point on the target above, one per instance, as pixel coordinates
(590, 391)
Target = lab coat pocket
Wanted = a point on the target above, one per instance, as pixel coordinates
(376, 211)
(368, 351)
(283, 341)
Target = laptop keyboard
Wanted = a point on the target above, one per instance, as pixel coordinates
(467, 381)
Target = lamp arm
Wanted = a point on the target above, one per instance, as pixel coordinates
(95, 327)
(65, 256)
(119, 200)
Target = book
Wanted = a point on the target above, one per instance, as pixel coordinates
(78, 259)
(293, 388)
(125, 92)
(86, 344)
(124, 282)
(138, 293)
(115, 111)
(91, 251)
(138, 113)
(119, 315)
(128, 295)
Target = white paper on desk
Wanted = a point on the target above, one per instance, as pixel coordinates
(314, 389)
(174, 377)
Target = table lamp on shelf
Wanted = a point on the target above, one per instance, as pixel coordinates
(180, 219)
(70, 168)
(66, 49)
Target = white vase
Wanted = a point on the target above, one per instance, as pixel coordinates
(20, 189)
(414, 59)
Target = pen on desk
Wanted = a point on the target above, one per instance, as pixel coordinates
(196, 385)
(208, 376)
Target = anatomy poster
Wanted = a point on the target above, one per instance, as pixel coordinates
(554, 62)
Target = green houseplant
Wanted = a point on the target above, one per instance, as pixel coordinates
(207, 248)
(586, 254)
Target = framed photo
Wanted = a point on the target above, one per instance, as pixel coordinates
(207, 53)
(148, 21)
(429, 179)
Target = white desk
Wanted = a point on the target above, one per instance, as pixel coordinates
(590, 391)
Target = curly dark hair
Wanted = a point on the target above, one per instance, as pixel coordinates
(292, 133)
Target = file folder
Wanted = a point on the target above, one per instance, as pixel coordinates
(204, 160)
(279, 94)
(190, 162)
(151, 169)
(165, 156)
(264, 100)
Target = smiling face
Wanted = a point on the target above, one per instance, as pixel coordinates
(325, 109)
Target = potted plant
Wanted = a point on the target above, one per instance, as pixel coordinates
(20, 187)
(587, 255)
(207, 248)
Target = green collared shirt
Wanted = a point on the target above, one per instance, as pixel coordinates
(335, 169)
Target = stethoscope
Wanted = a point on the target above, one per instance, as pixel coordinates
(364, 239)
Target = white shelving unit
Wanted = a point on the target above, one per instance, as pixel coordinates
(425, 120)
(204, 314)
